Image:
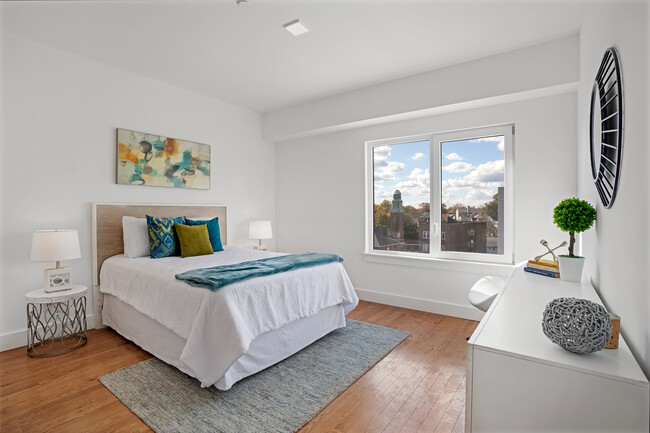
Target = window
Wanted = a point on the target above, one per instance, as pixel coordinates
(455, 187)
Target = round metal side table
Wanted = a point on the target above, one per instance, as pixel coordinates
(56, 321)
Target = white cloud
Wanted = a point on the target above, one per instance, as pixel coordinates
(487, 175)
(453, 156)
(480, 196)
(416, 189)
(448, 197)
(384, 169)
(381, 153)
(475, 197)
(490, 172)
(388, 170)
(487, 139)
(498, 140)
(417, 156)
(382, 195)
(418, 172)
(458, 167)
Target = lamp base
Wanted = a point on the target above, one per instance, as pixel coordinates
(57, 279)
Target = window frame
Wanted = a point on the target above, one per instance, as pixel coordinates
(435, 252)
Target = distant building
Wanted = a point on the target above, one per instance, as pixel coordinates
(381, 240)
(466, 237)
(396, 221)
(464, 214)
(492, 245)
(424, 234)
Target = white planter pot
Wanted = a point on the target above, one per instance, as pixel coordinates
(571, 268)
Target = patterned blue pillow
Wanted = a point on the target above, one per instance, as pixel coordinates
(163, 240)
(213, 231)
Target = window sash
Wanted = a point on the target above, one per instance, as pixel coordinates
(436, 193)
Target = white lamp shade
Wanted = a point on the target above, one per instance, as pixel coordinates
(55, 245)
(260, 230)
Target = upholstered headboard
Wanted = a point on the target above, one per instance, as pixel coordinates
(107, 232)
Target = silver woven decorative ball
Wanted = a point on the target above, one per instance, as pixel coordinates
(578, 325)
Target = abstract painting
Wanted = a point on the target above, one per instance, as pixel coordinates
(148, 159)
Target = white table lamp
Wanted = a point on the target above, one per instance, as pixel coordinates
(55, 246)
(260, 230)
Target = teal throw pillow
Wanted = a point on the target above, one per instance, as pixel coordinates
(163, 240)
(213, 231)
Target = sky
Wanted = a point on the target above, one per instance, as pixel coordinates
(472, 170)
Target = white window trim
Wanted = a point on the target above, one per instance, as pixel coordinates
(423, 260)
(435, 254)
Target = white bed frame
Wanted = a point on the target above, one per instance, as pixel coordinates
(107, 238)
(264, 351)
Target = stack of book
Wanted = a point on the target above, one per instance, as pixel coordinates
(547, 268)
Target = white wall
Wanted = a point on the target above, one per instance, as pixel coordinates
(320, 187)
(553, 64)
(617, 250)
(60, 112)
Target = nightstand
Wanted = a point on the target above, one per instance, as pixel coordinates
(56, 322)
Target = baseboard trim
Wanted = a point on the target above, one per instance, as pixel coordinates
(18, 338)
(454, 310)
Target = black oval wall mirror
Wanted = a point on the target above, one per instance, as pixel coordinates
(606, 127)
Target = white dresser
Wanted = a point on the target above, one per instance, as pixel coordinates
(519, 381)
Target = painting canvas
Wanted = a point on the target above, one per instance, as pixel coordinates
(148, 159)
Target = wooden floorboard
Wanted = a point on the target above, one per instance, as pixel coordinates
(418, 387)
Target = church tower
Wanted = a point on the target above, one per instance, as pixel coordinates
(396, 222)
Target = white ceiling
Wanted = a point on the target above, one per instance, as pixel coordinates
(242, 55)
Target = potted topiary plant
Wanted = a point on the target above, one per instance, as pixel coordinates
(574, 216)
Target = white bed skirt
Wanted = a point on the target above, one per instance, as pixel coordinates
(264, 351)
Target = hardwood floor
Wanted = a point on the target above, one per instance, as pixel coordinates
(418, 387)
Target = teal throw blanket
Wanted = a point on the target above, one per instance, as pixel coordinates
(219, 276)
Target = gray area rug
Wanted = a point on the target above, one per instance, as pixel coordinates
(281, 398)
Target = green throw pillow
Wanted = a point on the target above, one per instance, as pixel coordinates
(194, 240)
(162, 237)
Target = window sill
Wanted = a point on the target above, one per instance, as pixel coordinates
(498, 269)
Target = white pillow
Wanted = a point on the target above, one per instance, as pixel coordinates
(136, 237)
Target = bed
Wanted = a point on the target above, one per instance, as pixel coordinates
(217, 337)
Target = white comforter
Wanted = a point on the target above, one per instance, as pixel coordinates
(219, 326)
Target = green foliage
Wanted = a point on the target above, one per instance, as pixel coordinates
(411, 215)
(492, 208)
(574, 215)
(381, 214)
(411, 230)
(411, 212)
